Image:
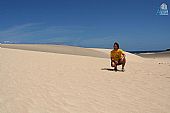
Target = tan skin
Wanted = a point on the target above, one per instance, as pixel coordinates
(116, 63)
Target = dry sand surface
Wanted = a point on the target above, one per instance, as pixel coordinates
(78, 82)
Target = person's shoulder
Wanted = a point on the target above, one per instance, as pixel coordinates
(112, 51)
(120, 50)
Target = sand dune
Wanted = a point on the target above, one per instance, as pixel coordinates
(57, 49)
(44, 82)
(156, 55)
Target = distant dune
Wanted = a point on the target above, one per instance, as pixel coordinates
(65, 79)
(155, 55)
(62, 49)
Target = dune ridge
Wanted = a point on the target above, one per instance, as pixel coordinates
(165, 54)
(62, 49)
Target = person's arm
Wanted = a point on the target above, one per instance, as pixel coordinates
(123, 54)
(116, 62)
(112, 60)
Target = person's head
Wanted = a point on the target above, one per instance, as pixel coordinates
(116, 46)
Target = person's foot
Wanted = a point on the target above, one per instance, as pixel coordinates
(123, 69)
(115, 68)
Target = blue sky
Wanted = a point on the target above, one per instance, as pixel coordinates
(88, 23)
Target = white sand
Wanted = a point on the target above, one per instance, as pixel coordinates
(41, 82)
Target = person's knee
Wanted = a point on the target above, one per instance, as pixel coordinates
(123, 60)
(113, 64)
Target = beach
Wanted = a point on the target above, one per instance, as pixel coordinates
(65, 79)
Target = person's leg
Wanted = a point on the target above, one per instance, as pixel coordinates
(123, 62)
(113, 64)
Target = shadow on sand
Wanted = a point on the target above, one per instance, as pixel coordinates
(110, 69)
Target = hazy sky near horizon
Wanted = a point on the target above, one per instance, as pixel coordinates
(88, 23)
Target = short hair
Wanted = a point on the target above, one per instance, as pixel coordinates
(116, 43)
